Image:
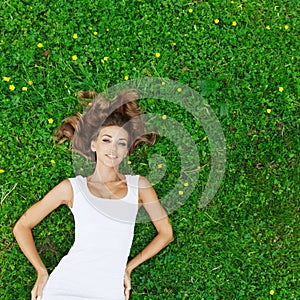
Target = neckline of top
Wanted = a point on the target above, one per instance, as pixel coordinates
(109, 199)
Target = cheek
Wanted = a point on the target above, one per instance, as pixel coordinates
(122, 151)
(102, 148)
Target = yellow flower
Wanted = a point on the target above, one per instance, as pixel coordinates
(107, 29)
(129, 162)
(90, 28)
(186, 184)
(102, 60)
(180, 192)
(205, 138)
(234, 23)
(95, 32)
(190, 10)
(12, 87)
(50, 121)
(105, 58)
(24, 88)
(163, 117)
(7, 79)
(40, 45)
(1, 171)
(174, 44)
(179, 90)
(272, 292)
(157, 54)
(281, 89)
(30, 82)
(118, 49)
(126, 77)
(269, 110)
(75, 36)
(217, 21)
(163, 83)
(286, 27)
(159, 166)
(268, 27)
(74, 57)
(52, 161)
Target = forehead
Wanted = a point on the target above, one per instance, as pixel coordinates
(114, 131)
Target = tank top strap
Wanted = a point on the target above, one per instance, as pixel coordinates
(77, 190)
(75, 185)
(133, 188)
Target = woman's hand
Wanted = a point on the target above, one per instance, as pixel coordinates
(127, 284)
(39, 285)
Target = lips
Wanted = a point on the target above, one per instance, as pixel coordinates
(111, 156)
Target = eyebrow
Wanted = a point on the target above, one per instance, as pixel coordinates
(111, 137)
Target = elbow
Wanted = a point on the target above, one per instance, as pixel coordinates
(171, 238)
(168, 236)
(18, 228)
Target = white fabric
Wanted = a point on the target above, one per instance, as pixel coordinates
(94, 267)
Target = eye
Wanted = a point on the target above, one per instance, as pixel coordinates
(106, 140)
(123, 144)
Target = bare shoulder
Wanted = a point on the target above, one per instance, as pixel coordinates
(148, 198)
(144, 182)
(146, 189)
(64, 192)
(66, 187)
(147, 193)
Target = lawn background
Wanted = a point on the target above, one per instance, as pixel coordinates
(243, 56)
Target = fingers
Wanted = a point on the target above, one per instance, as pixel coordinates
(33, 293)
(36, 293)
(35, 297)
(127, 293)
(127, 285)
(127, 289)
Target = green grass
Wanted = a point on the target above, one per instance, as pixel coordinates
(245, 243)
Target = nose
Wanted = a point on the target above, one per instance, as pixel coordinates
(113, 148)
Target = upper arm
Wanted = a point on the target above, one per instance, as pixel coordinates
(150, 202)
(60, 194)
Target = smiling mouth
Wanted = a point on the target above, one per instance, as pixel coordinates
(111, 156)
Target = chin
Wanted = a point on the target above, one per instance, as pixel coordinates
(113, 164)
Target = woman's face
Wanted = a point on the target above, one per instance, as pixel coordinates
(111, 145)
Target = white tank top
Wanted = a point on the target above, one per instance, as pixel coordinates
(95, 265)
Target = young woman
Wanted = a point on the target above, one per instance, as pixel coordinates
(104, 206)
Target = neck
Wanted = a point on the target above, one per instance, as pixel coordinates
(105, 174)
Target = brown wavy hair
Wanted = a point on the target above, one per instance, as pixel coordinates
(122, 111)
